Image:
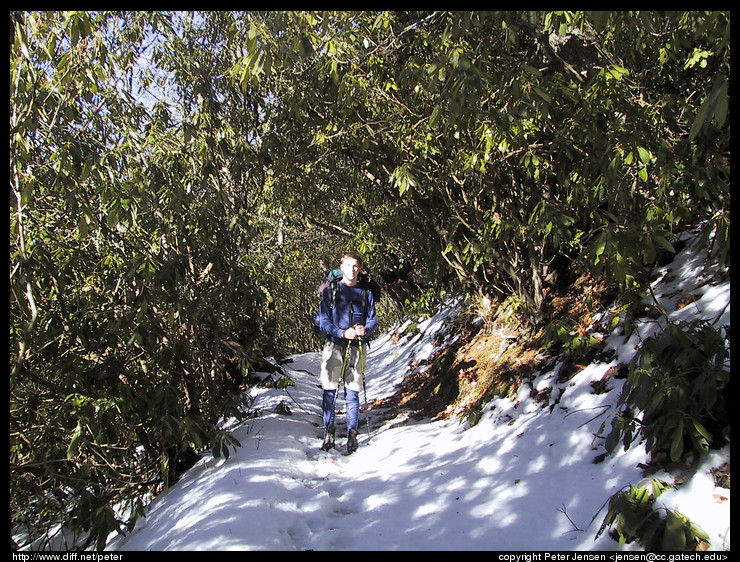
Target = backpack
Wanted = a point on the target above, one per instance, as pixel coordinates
(364, 280)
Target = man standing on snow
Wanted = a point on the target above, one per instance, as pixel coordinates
(347, 316)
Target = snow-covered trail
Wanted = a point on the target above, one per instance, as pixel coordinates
(521, 479)
(502, 485)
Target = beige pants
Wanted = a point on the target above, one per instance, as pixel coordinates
(331, 367)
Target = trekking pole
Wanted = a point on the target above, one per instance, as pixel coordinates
(362, 352)
(345, 360)
(340, 382)
(332, 418)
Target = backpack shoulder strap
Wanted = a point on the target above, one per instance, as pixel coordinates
(334, 287)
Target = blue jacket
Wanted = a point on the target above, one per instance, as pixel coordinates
(349, 309)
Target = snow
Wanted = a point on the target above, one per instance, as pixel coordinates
(521, 479)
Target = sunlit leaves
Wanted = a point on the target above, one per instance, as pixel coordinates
(461, 111)
(615, 72)
(257, 61)
(127, 263)
(403, 179)
(634, 516)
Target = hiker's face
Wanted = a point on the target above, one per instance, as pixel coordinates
(350, 268)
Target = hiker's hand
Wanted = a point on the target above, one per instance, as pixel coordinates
(356, 331)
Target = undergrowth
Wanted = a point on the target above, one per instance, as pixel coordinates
(633, 517)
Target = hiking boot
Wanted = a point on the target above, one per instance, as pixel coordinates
(352, 441)
(328, 438)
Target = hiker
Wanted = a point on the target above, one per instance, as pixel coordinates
(347, 316)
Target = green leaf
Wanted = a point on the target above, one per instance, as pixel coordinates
(663, 243)
(20, 35)
(436, 112)
(617, 72)
(73, 448)
(644, 155)
(674, 538)
(713, 108)
(677, 442)
(543, 94)
(612, 440)
(701, 429)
